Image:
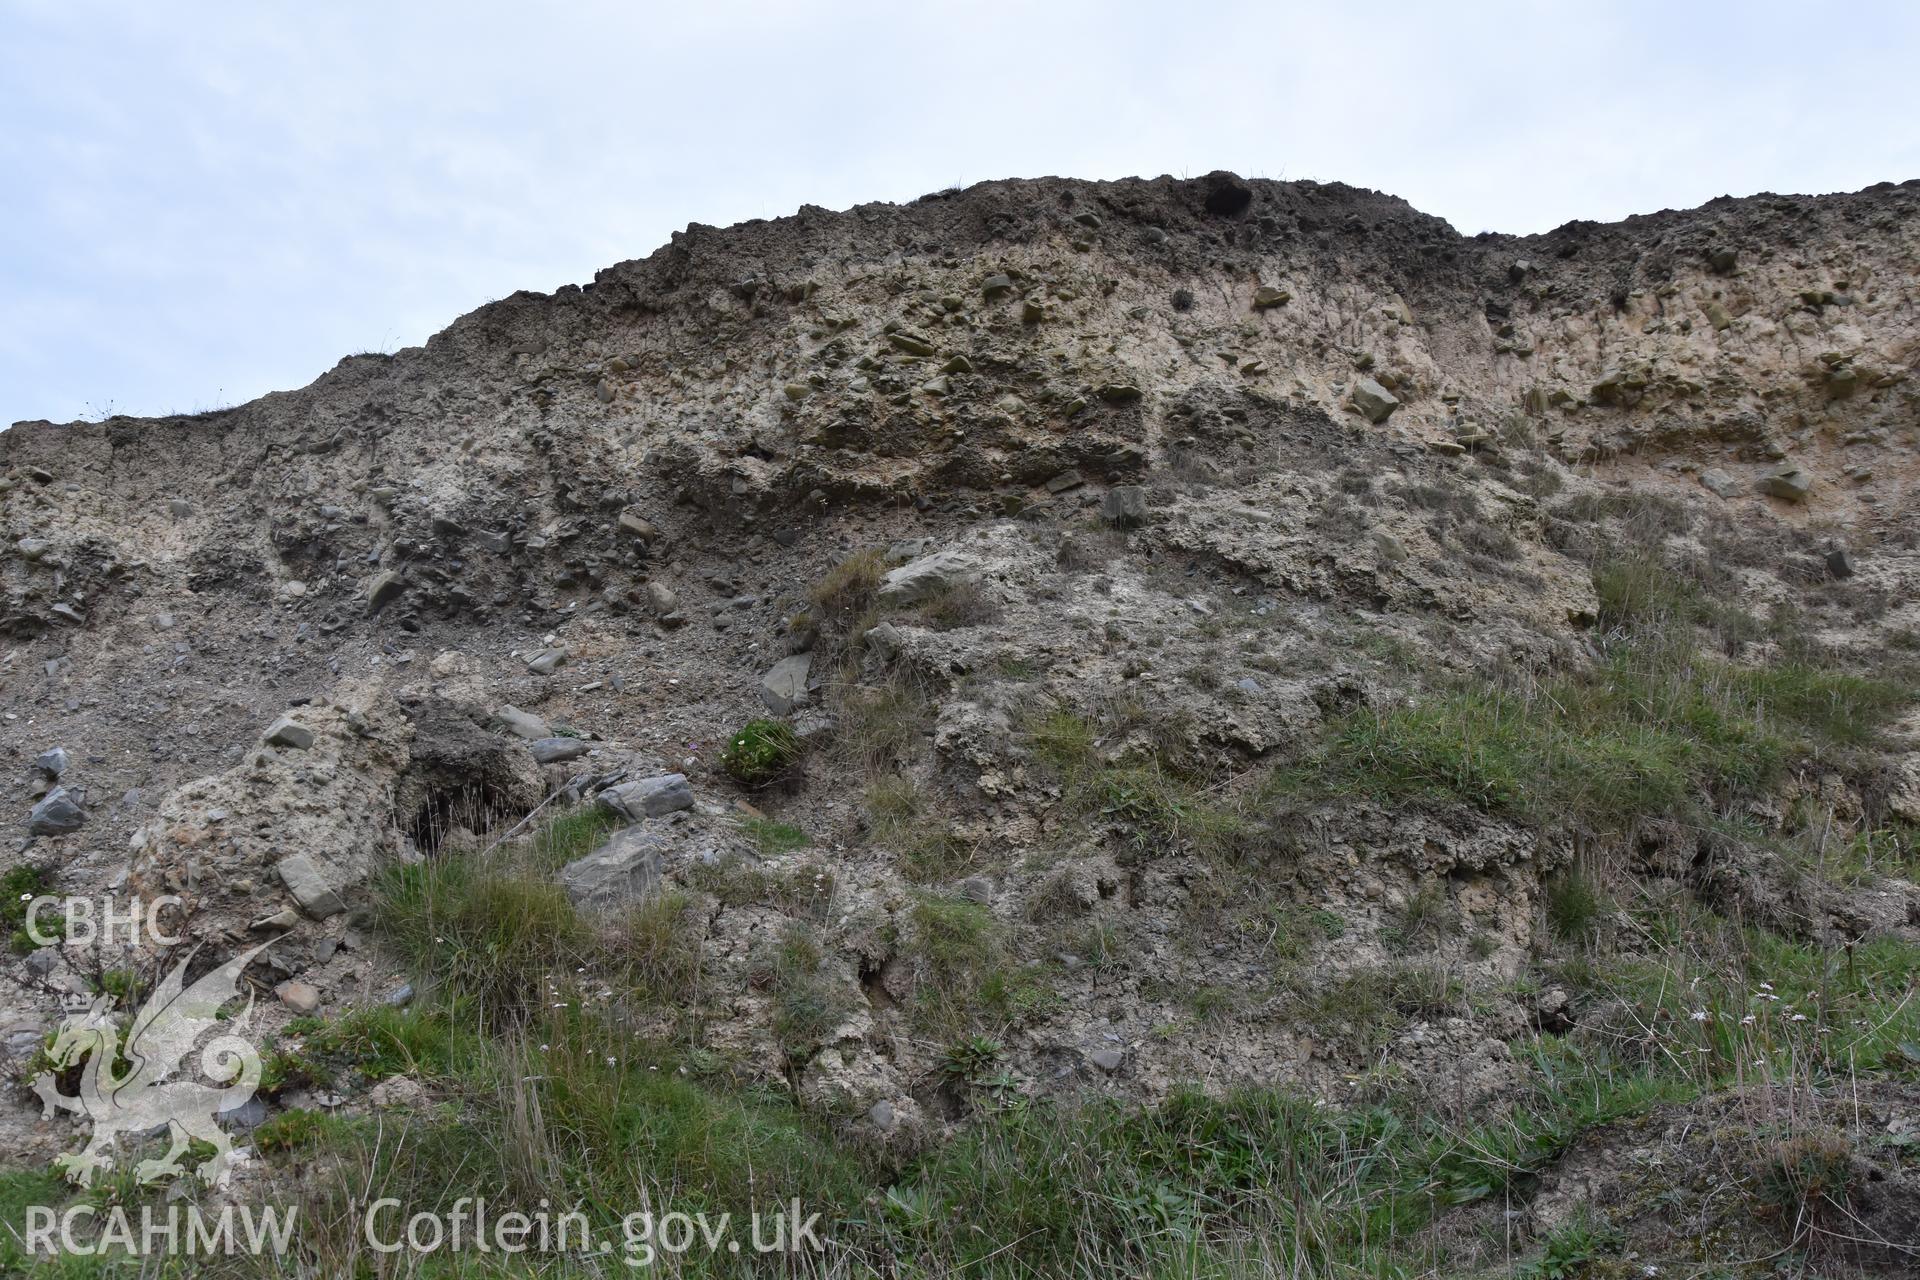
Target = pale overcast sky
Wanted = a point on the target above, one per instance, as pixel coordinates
(200, 202)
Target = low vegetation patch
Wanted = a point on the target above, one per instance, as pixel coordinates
(18, 888)
(760, 752)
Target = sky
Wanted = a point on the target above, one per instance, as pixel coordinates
(201, 202)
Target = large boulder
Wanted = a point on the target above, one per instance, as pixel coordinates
(309, 886)
(927, 576)
(1789, 482)
(649, 797)
(624, 870)
(284, 828)
(523, 724)
(288, 732)
(57, 814)
(785, 686)
(1374, 401)
(557, 750)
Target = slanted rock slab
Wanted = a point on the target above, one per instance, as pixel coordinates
(623, 871)
(649, 797)
(308, 887)
(785, 686)
(288, 732)
(928, 576)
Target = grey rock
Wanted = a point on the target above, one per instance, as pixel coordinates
(53, 762)
(637, 525)
(400, 996)
(57, 813)
(1108, 1060)
(1374, 401)
(977, 889)
(300, 997)
(308, 887)
(908, 549)
(1789, 482)
(910, 342)
(624, 870)
(522, 724)
(784, 687)
(385, 588)
(1839, 563)
(279, 922)
(927, 576)
(546, 662)
(1719, 483)
(43, 962)
(557, 750)
(881, 1116)
(288, 732)
(885, 640)
(649, 797)
(1125, 506)
(1068, 479)
(661, 599)
(245, 1116)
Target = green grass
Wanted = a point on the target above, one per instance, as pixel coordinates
(18, 888)
(1158, 801)
(958, 948)
(376, 1042)
(20, 1189)
(501, 937)
(1657, 728)
(847, 591)
(881, 727)
(570, 836)
(775, 838)
(808, 1001)
(1730, 1002)
(1649, 733)
(901, 817)
(1575, 906)
(571, 1107)
(1891, 849)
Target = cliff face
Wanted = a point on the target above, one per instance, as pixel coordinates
(1206, 467)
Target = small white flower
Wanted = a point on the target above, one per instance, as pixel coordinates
(1699, 1015)
(1747, 1021)
(1799, 1017)
(543, 1048)
(1766, 986)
